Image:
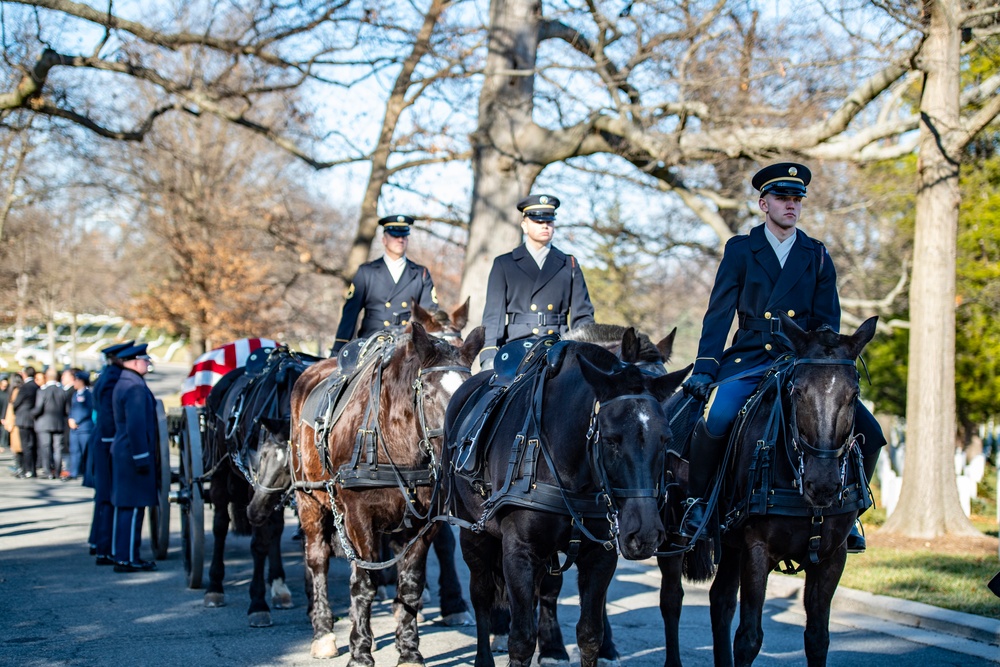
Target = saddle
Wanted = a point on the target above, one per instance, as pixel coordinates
(513, 361)
(768, 495)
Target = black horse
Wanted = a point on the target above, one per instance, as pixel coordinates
(797, 487)
(248, 423)
(572, 462)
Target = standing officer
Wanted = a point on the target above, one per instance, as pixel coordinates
(536, 289)
(51, 414)
(98, 473)
(775, 268)
(386, 288)
(133, 465)
(24, 419)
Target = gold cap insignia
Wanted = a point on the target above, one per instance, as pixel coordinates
(792, 171)
(543, 200)
(400, 218)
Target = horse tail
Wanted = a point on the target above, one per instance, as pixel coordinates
(699, 564)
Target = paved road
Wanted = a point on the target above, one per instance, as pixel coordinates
(59, 609)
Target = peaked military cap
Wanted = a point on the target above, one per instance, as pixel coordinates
(539, 207)
(117, 347)
(134, 352)
(397, 225)
(784, 178)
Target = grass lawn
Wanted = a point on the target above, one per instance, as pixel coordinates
(949, 572)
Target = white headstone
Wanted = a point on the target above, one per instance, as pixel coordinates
(976, 468)
(891, 484)
(965, 490)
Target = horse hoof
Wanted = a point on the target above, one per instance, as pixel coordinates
(381, 594)
(215, 600)
(324, 647)
(498, 644)
(260, 619)
(281, 596)
(456, 620)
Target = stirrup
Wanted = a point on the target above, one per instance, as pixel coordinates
(856, 543)
(694, 517)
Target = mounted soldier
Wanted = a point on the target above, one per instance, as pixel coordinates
(776, 268)
(536, 289)
(386, 288)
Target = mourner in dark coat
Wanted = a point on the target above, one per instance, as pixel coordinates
(133, 459)
(775, 268)
(536, 289)
(24, 419)
(98, 473)
(386, 288)
(51, 414)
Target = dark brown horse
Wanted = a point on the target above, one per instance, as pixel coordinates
(399, 408)
(248, 423)
(587, 426)
(818, 486)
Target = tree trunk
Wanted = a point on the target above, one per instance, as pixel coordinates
(21, 282)
(928, 502)
(50, 329)
(501, 176)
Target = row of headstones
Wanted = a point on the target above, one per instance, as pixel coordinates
(968, 475)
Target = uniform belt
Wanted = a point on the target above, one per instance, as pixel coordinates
(537, 319)
(772, 324)
(396, 319)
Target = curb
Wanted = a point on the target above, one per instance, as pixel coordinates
(904, 612)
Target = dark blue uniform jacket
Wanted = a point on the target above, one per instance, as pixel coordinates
(752, 285)
(136, 441)
(386, 303)
(99, 447)
(523, 300)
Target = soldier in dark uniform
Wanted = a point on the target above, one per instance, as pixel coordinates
(133, 459)
(536, 289)
(386, 288)
(775, 268)
(98, 468)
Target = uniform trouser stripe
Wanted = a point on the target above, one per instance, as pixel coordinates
(114, 531)
(132, 542)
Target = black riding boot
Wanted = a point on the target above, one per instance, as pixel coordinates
(706, 452)
(856, 539)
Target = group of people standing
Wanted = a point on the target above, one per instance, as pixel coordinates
(47, 422)
(537, 290)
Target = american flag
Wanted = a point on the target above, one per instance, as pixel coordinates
(211, 366)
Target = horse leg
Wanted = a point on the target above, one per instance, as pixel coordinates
(551, 648)
(281, 596)
(215, 595)
(362, 595)
(821, 583)
(454, 611)
(671, 598)
(753, 585)
(411, 578)
(479, 552)
(596, 570)
(260, 546)
(523, 575)
(316, 546)
(722, 601)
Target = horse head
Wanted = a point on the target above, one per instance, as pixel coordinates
(273, 476)
(443, 324)
(632, 433)
(822, 391)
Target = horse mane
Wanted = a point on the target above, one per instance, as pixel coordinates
(609, 336)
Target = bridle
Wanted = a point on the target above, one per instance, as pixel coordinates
(799, 444)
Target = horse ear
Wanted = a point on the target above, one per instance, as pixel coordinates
(460, 316)
(630, 346)
(598, 380)
(862, 337)
(421, 315)
(663, 388)
(794, 332)
(472, 345)
(422, 344)
(666, 346)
